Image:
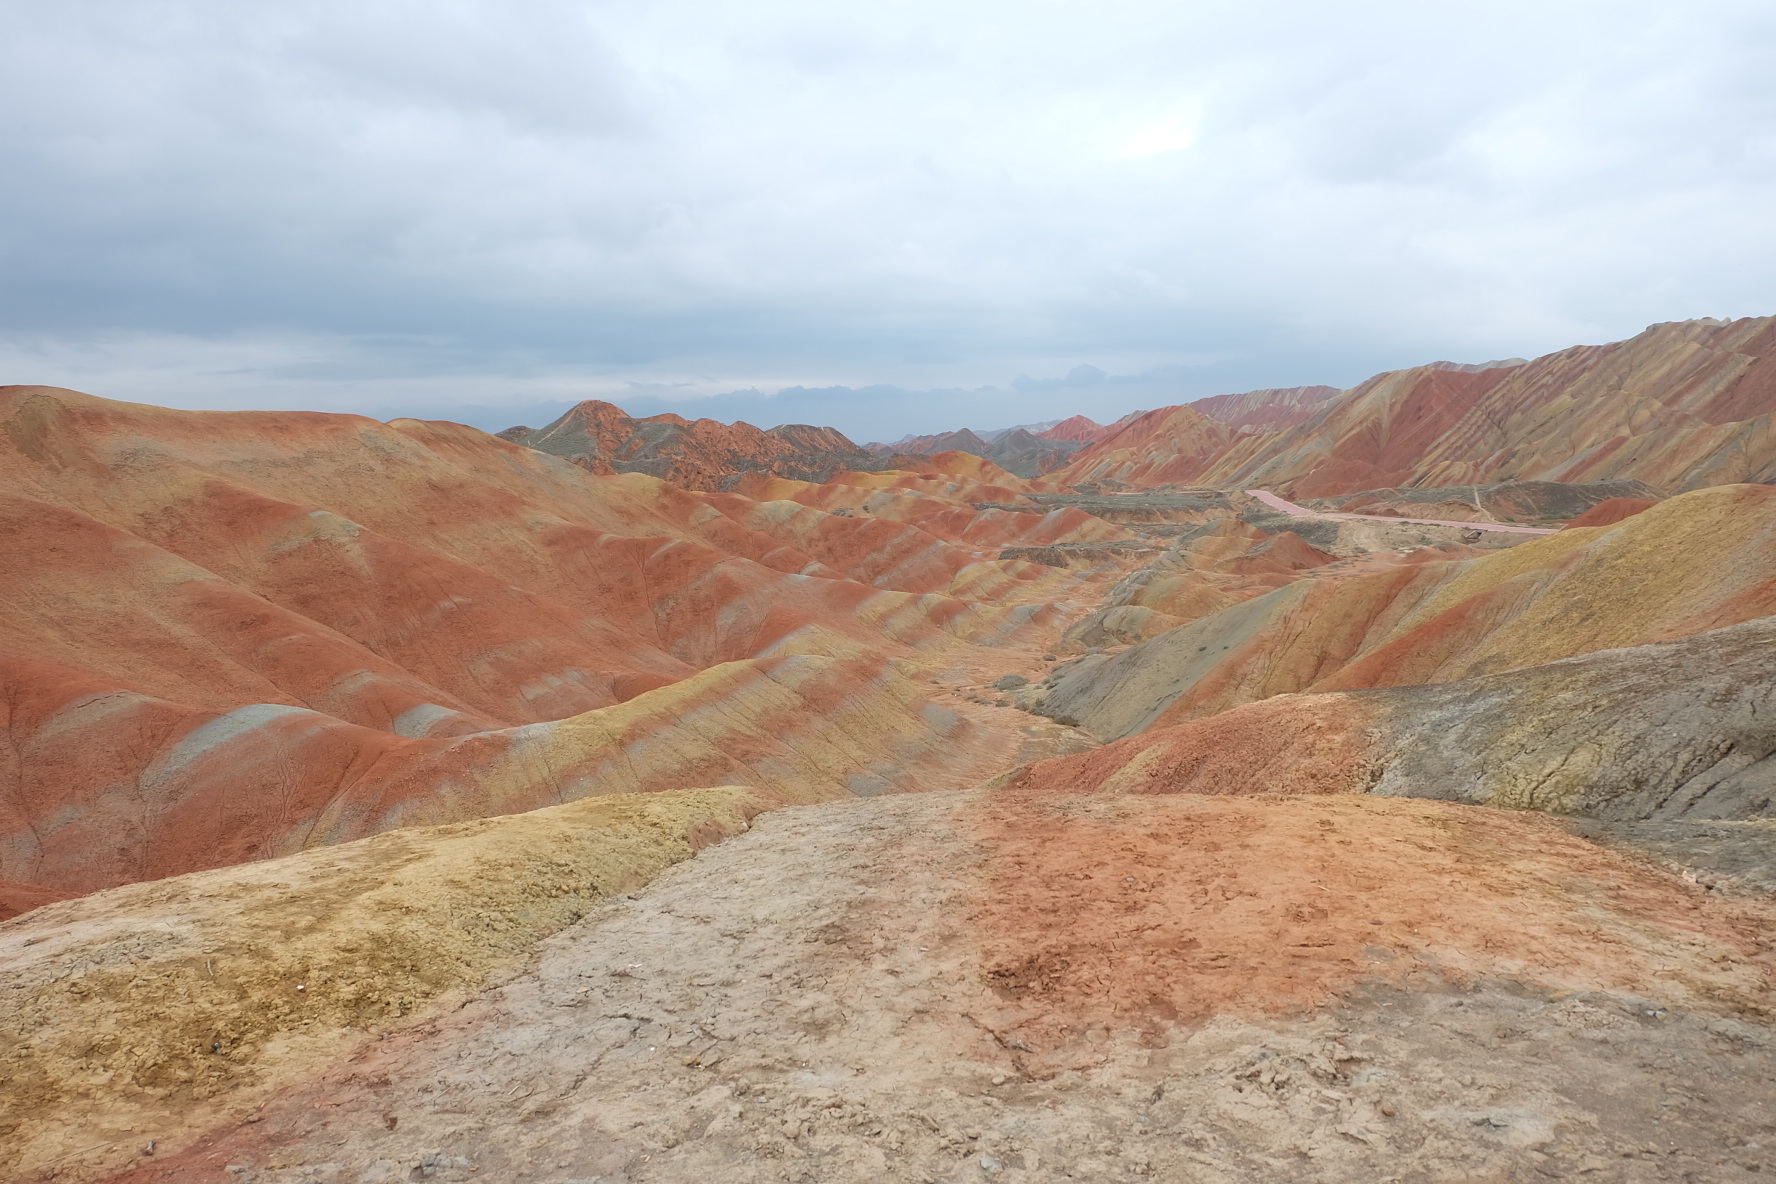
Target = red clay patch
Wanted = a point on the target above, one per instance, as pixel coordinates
(1129, 913)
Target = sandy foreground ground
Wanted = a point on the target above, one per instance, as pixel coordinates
(970, 987)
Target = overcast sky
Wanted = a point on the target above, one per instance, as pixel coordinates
(486, 210)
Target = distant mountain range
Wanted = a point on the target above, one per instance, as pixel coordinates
(696, 453)
(1032, 449)
(1682, 404)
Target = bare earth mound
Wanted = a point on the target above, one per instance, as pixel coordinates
(129, 1010)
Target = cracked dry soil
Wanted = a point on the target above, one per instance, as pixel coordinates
(815, 1001)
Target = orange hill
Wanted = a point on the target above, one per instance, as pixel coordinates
(231, 635)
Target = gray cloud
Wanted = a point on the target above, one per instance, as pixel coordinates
(440, 208)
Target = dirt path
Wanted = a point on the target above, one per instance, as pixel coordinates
(837, 996)
(1289, 507)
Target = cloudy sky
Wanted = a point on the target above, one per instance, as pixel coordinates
(486, 209)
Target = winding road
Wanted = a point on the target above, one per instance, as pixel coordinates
(1289, 507)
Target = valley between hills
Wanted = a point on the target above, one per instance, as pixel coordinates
(1299, 784)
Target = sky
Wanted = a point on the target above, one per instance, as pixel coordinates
(892, 218)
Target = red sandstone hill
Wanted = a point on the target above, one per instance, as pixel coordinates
(1171, 445)
(1079, 429)
(1267, 410)
(231, 635)
(1680, 406)
(699, 454)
